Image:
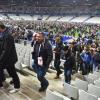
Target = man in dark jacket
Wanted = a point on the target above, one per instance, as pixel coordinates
(57, 52)
(42, 55)
(68, 64)
(8, 58)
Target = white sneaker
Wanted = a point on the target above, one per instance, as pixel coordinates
(14, 90)
(5, 84)
(2, 88)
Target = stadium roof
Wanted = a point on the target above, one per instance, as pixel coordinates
(50, 6)
(49, 2)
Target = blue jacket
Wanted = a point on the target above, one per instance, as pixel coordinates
(86, 57)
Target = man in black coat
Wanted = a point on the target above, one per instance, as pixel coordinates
(8, 58)
(42, 56)
(68, 64)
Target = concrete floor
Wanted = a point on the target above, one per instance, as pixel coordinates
(29, 87)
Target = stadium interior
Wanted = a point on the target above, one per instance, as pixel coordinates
(23, 16)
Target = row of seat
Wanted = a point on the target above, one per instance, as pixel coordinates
(90, 86)
(24, 55)
(73, 92)
(80, 89)
(54, 95)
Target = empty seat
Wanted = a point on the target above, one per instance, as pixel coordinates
(80, 84)
(71, 91)
(86, 96)
(52, 96)
(97, 82)
(61, 95)
(93, 76)
(96, 73)
(94, 90)
(90, 78)
(18, 66)
(26, 62)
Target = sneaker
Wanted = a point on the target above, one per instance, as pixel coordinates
(43, 89)
(11, 82)
(14, 90)
(57, 77)
(60, 72)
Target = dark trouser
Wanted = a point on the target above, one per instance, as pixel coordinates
(12, 73)
(41, 72)
(57, 66)
(67, 74)
(85, 69)
(2, 77)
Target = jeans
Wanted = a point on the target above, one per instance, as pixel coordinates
(12, 73)
(67, 74)
(95, 66)
(86, 68)
(41, 72)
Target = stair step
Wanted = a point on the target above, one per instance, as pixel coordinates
(4, 96)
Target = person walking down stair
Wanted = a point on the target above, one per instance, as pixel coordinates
(42, 56)
(8, 58)
(57, 51)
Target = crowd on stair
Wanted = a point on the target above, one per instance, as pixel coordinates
(77, 44)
